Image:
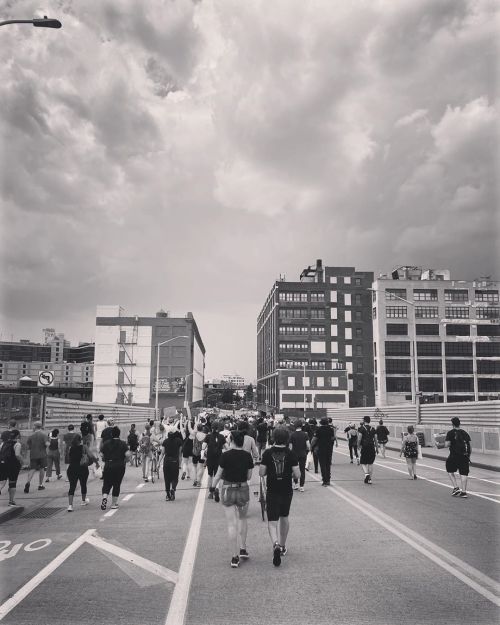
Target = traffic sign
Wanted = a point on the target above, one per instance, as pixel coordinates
(45, 378)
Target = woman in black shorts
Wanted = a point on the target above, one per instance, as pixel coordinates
(170, 454)
(11, 461)
(187, 452)
(78, 470)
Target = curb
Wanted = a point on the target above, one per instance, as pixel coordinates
(11, 513)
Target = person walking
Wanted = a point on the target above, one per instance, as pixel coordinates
(37, 444)
(248, 441)
(133, 444)
(352, 440)
(409, 449)
(323, 440)
(215, 443)
(382, 436)
(115, 454)
(235, 469)
(10, 462)
(99, 427)
(458, 442)
(261, 439)
(68, 438)
(198, 460)
(312, 427)
(146, 449)
(299, 443)
(367, 441)
(87, 430)
(54, 455)
(279, 465)
(171, 449)
(78, 470)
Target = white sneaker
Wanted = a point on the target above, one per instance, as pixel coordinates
(85, 502)
(114, 506)
(301, 489)
(70, 509)
(295, 486)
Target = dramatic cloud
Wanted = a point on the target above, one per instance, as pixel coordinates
(184, 154)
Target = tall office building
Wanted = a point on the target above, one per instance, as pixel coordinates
(435, 337)
(126, 356)
(314, 342)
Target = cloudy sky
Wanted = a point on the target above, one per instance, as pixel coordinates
(183, 154)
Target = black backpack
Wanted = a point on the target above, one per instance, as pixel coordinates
(7, 451)
(215, 443)
(459, 444)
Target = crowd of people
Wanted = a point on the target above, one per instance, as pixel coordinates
(228, 447)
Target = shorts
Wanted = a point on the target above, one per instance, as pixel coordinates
(198, 459)
(277, 506)
(457, 463)
(10, 471)
(235, 495)
(213, 466)
(87, 439)
(38, 463)
(367, 455)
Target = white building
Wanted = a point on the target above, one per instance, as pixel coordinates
(435, 337)
(233, 380)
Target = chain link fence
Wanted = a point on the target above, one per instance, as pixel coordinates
(23, 407)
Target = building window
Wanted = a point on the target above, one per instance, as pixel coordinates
(488, 313)
(359, 384)
(348, 334)
(334, 382)
(318, 330)
(459, 366)
(393, 365)
(430, 385)
(461, 385)
(488, 367)
(430, 366)
(292, 364)
(334, 347)
(320, 382)
(318, 347)
(458, 349)
(317, 297)
(291, 381)
(292, 297)
(456, 312)
(359, 333)
(347, 280)
(357, 299)
(333, 296)
(333, 279)
(293, 347)
(425, 295)
(488, 349)
(357, 281)
(359, 367)
(456, 295)
(374, 349)
(397, 328)
(458, 330)
(293, 313)
(427, 329)
(317, 313)
(397, 348)
(319, 364)
(426, 312)
(347, 316)
(487, 295)
(488, 384)
(398, 385)
(347, 299)
(374, 313)
(396, 311)
(488, 330)
(359, 350)
(289, 329)
(358, 315)
(429, 348)
(391, 294)
(348, 350)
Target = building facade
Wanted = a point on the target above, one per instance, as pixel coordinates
(72, 366)
(435, 338)
(126, 356)
(233, 380)
(314, 342)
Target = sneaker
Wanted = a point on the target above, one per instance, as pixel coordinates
(301, 489)
(295, 486)
(27, 488)
(167, 497)
(414, 477)
(352, 461)
(183, 476)
(244, 554)
(455, 491)
(284, 550)
(146, 479)
(104, 503)
(216, 495)
(235, 562)
(463, 495)
(59, 477)
(195, 483)
(47, 479)
(210, 495)
(85, 502)
(367, 479)
(172, 495)
(41, 487)
(70, 508)
(115, 506)
(357, 461)
(188, 477)
(276, 554)
(12, 503)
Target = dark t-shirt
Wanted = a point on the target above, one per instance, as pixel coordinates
(382, 433)
(114, 451)
(68, 438)
(262, 432)
(107, 433)
(37, 445)
(459, 442)
(367, 436)
(279, 462)
(236, 463)
(75, 455)
(325, 436)
(298, 440)
(215, 443)
(172, 445)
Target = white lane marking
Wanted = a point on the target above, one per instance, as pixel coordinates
(35, 581)
(133, 558)
(416, 541)
(427, 479)
(141, 485)
(178, 604)
(111, 512)
(128, 497)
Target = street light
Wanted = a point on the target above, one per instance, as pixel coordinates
(158, 366)
(40, 22)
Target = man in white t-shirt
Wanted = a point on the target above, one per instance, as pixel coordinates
(99, 427)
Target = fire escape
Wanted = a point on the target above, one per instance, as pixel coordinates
(126, 364)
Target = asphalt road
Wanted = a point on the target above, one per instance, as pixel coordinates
(398, 551)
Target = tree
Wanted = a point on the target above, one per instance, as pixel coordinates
(227, 396)
(249, 393)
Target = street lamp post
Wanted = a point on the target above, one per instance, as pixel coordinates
(40, 22)
(158, 366)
